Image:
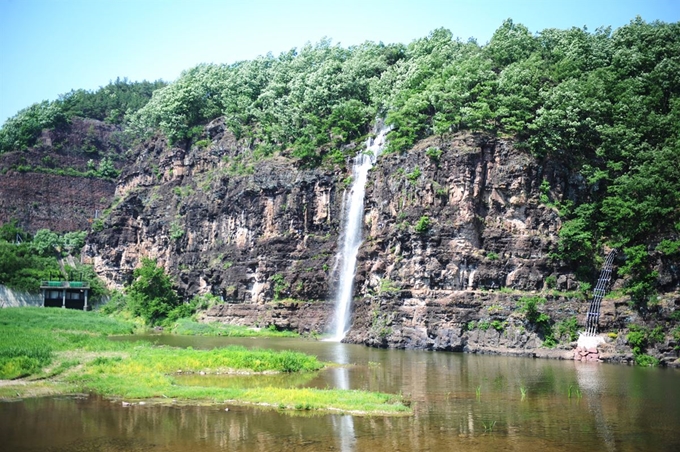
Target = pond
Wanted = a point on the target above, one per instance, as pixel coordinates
(460, 402)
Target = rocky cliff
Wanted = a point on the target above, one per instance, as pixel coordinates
(248, 233)
(456, 232)
(47, 186)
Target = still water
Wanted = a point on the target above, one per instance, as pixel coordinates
(461, 402)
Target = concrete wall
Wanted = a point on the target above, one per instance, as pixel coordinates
(10, 298)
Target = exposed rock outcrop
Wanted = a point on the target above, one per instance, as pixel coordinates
(247, 233)
(43, 187)
(456, 231)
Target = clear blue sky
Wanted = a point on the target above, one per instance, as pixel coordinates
(48, 47)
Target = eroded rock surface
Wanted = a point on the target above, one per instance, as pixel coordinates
(455, 233)
(41, 187)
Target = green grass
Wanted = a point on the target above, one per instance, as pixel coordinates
(573, 391)
(489, 425)
(29, 337)
(62, 351)
(64, 319)
(188, 327)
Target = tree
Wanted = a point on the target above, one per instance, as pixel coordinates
(511, 43)
(151, 296)
(106, 169)
(46, 242)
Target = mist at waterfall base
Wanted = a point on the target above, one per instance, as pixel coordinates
(350, 238)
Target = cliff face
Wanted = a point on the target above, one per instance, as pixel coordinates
(42, 187)
(249, 234)
(468, 218)
(456, 232)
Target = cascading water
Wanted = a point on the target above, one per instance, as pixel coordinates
(350, 239)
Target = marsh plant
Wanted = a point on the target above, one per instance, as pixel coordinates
(489, 425)
(574, 392)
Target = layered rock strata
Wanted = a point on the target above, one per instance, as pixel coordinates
(43, 187)
(456, 232)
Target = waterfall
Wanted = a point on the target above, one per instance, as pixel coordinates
(350, 238)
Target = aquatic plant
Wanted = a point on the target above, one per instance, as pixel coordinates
(489, 426)
(573, 391)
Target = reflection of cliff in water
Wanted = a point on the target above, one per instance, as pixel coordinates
(620, 408)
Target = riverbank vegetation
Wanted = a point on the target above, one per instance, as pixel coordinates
(151, 299)
(48, 351)
(189, 327)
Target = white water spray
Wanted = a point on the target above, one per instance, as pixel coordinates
(350, 239)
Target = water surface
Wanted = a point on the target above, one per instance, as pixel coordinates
(460, 401)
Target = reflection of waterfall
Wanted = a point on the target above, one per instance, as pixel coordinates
(588, 377)
(350, 239)
(343, 424)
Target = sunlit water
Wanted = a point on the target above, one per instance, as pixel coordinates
(461, 402)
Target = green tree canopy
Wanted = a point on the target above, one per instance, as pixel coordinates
(151, 296)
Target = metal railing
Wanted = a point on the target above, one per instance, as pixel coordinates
(593, 315)
(64, 285)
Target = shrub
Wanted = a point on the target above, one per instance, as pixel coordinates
(498, 325)
(551, 282)
(414, 175)
(97, 225)
(151, 296)
(176, 231)
(540, 320)
(423, 225)
(656, 335)
(637, 339)
(492, 256)
(203, 143)
(644, 360)
(388, 286)
(106, 169)
(280, 285)
(529, 306)
(117, 303)
(434, 154)
(545, 192)
(568, 327)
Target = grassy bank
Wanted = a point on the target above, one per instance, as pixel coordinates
(187, 327)
(55, 351)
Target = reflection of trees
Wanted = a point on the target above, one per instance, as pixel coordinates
(621, 408)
